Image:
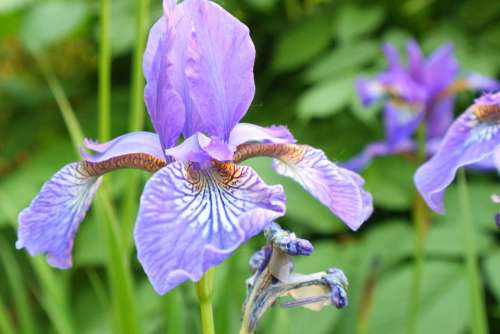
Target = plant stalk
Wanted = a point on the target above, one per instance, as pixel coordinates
(479, 317)
(204, 291)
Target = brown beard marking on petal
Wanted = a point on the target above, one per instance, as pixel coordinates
(292, 153)
(487, 112)
(142, 161)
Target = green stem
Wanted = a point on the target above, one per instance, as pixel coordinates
(204, 291)
(6, 323)
(479, 317)
(105, 71)
(421, 220)
(136, 121)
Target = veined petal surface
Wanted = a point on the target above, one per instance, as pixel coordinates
(337, 188)
(133, 142)
(191, 219)
(51, 221)
(473, 137)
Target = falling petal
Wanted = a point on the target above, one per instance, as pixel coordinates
(51, 221)
(473, 137)
(339, 189)
(133, 142)
(192, 219)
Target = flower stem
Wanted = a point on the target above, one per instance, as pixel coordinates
(104, 71)
(421, 221)
(204, 290)
(479, 318)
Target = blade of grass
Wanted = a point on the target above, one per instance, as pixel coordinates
(6, 325)
(17, 288)
(479, 319)
(136, 122)
(173, 310)
(105, 71)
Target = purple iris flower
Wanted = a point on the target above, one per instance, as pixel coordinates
(200, 204)
(422, 91)
(473, 137)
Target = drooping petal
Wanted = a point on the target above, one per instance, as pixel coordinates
(476, 81)
(376, 149)
(200, 148)
(472, 138)
(51, 221)
(220, 70)
(246, 132)
(134, 142)
(192, 219)
(339, 189)
(164, 61)
(401, 121)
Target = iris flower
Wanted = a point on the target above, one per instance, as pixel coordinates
(473, 137)
(200, 204)
(422, 91)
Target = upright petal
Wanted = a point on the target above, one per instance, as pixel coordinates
(133, 142)
(392, 55)
(192, 219)
(473, 137)
(220, 68)
(51, 221)
(440, 69)
(163, 61)
(339, 189)
(415, 60)
(246, 132)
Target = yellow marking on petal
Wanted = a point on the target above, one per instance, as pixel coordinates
(487, 112)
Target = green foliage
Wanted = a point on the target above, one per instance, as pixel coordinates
(309, 54)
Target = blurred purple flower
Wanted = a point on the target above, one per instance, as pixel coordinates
(473, 137)
(422, 91)
(200, 204)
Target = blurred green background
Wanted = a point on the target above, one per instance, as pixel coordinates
(308, 54)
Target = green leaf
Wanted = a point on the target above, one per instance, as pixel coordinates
(11, 5)
(326, 99)
(302, 43)
(493, 272)
(444, 294)
(343, 58)
(354, 21)
(390, 180)
(50, 22)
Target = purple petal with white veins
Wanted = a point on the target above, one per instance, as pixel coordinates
(246, 132)
(191, 219)
(220, 71)
(401, 121)
(133, 142)
(339, 189)
(376, 149)
(472, 138)
(200, 148)
(51, 221)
